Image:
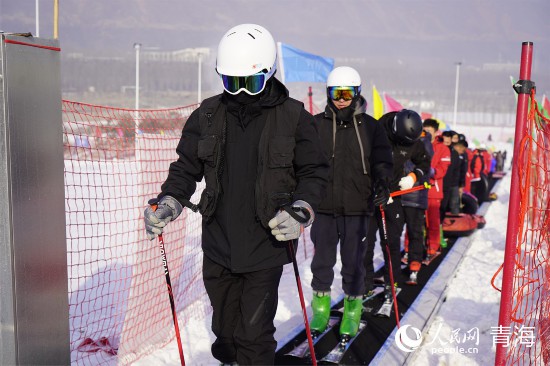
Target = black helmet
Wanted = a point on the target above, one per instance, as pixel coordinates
(406, 127)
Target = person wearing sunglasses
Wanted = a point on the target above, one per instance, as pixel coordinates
(258, 151)
(361, 166)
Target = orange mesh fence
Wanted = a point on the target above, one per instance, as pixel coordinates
(115, 161)
(527, 340)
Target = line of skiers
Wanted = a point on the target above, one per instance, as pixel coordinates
(260, 151)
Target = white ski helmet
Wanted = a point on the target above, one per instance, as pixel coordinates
(246, 49)
(344, 76)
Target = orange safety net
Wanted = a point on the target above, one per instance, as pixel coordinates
(527, 340)
(115, 161)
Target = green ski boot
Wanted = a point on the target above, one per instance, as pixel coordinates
(353, 307)
(442, 240)
(321, 311)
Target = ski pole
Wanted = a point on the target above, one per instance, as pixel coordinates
(154, 204)
(300, 219)
(385, 232)
(410, 190)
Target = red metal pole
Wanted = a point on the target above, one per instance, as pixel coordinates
(504, 318)
(310, 95)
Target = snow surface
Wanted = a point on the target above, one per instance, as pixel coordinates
(471, 302)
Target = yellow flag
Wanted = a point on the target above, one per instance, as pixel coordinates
(377, 104)
(442, 125)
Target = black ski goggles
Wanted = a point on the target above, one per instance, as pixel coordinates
(342, 92)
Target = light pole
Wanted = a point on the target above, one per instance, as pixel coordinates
(199, 78)
(456, 93)
(56, 19)
(37, 19)
(137, 47)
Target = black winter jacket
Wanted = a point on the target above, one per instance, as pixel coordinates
(463, 169)
(359, 154)
(419, 199)
(235, 238)
(415, 152)
(452, 178)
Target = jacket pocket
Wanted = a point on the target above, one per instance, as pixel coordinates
(281, 152)
(207, 203)
(207, 150)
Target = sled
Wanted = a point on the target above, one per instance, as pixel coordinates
(498, 175)
(459, 225)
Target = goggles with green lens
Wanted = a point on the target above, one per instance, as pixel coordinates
(342, 92)
(252, 84)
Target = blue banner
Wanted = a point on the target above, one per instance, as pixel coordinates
(298, 65)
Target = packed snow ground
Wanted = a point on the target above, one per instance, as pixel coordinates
(472, 305)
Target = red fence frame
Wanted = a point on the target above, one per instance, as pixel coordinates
(514, 205)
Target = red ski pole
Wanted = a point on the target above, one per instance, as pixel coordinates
(153, 203)
(385, 232)
(410, 190)
(301, 219)
(302, 303)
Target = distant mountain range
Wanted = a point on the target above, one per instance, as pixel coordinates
(419, 39)
(476, 30)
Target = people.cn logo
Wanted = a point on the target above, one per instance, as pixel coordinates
(404, 342)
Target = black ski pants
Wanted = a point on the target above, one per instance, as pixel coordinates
(244, 306)
(450, 202)
(415, 223)
(394, 225)
(326, 232)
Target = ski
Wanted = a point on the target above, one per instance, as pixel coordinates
(367, 303)
(430, 259)
(337, 353)
(387, 306)
(302, 350)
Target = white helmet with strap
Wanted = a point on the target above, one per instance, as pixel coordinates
(246, 49)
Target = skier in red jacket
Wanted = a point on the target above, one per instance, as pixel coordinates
(440, 163)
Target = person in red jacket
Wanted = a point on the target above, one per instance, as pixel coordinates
(468, 155)
(480, 166)
(440, 163)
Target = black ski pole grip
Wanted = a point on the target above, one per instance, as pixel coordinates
(153, 202)
(294, 214)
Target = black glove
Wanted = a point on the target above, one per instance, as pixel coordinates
(381, 194)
